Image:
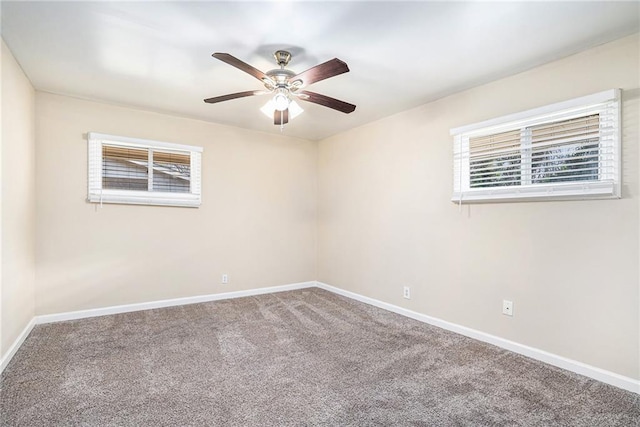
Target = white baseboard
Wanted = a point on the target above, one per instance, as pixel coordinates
(105, 311)
(602, 375)
(4, 361)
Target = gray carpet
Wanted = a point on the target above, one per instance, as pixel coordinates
(304, 357)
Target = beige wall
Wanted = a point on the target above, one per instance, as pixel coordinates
(571, 268)
(257, 222)
(17, 202)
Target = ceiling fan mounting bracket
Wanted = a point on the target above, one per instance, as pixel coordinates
(282, 57)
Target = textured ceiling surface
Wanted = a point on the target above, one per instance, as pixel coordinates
(157, 55)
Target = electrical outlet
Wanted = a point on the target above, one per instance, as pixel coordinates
(507, 307)
(225, 279)
(406, 292)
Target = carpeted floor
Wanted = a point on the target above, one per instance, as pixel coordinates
(305, 357)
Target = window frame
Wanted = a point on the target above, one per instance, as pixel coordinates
(97, 194)
(608, 186)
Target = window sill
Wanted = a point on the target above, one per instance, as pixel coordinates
(569, 191)
(146, 198)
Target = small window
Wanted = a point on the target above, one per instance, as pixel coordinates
(569, 150)
(136, 171)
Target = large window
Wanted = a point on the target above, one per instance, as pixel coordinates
(136, 171)
(569, 150)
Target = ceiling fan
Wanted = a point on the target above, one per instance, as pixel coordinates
(286, 85)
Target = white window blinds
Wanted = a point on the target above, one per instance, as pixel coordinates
(171, 172)
(128, 170)
(494, 160)
(124, 168)
(567, 150)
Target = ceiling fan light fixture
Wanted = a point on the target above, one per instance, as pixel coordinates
(294, 109)
(281, 101)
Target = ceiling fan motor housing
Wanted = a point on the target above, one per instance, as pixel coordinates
(280, 76)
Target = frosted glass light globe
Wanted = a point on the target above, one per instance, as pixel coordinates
(281, 102)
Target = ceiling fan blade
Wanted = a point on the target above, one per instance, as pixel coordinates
(326, 101)
(280, 117)
(331, 68)
(233, 61)
(234, 96)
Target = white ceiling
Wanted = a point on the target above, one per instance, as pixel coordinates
(157, 55)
